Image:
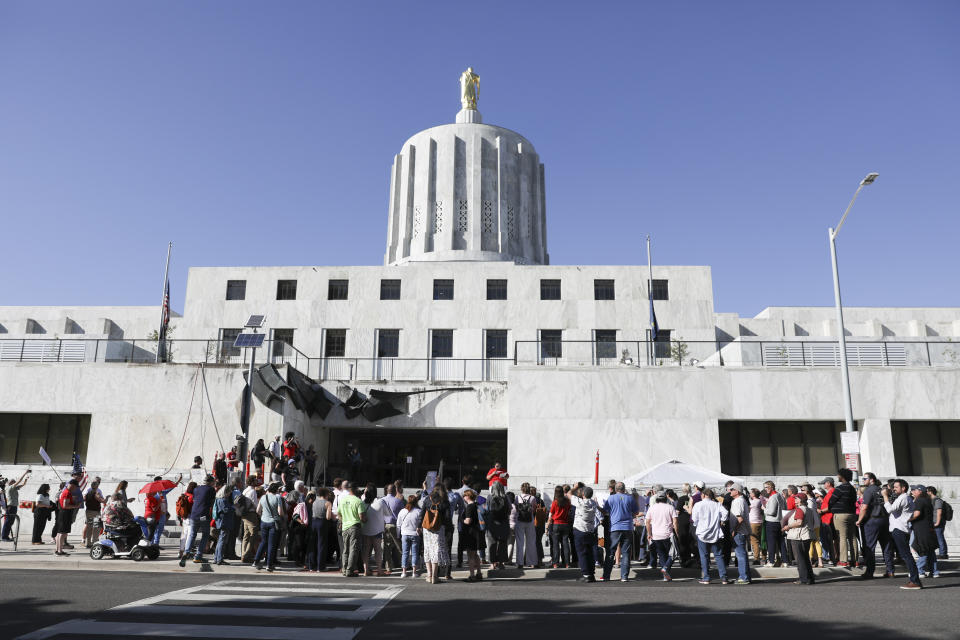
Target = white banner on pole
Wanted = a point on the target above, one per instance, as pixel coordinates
(850, 441)
(46, 458)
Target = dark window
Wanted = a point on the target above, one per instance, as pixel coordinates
(606, 343)
(549, 289)
(336, 346)
(661, 346)
(281, 339)
(441, 343)
(337, 289)
(389, 289)
(922, 448)
(551, 343)
(756, 448)
(236, 289)
(286, 289)
(388, 343)
(496, 289)
(227, 338)
(443, 289)
(496, 343)
(60, 434)
(659, 290)
(603, 290)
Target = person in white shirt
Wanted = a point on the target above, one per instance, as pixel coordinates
(740, 530)
(661, 525)
(585, 521)
(897, 505)
(372, 531)
(707, 516)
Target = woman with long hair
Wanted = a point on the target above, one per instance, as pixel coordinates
(408, 524)
(42, 509)
(559, 523)
(434, 542)
(498, 525)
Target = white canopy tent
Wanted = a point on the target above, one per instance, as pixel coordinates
(674, 473)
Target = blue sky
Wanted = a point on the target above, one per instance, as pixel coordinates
(254, 133)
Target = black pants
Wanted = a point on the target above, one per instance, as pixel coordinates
(801, 551)
(448, 531)
(561, 544)
(585, 543)
(541, 530)
(39, 522)
(498, 550)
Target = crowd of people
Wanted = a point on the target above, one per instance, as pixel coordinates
(361, 529)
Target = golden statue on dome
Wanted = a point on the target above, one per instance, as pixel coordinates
(469, 89)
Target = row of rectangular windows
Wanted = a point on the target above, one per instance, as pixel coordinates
(441, 343)
(442, 289)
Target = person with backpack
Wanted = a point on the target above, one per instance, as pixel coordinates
(270, 510)
(436, 510)
(183, 507)
(873, 522)
(942, 514)
(524, 528)
(225, 513)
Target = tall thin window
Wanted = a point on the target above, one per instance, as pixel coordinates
(496, 289)
(661, 346)
(389, 289)
(282, 338)
(551, 343)
(549, 289)
(227, 338)
(336, 343)
(606, 340)
(388, 343)
(286, 289)
(337, 289)
(660, 290)
(496, 343)
(441, 343)
(236, 289)
(603, 290)
(443, 289)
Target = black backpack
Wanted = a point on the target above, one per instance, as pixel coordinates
(524, 511)
(947, 514)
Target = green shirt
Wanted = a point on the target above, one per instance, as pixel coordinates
(350, 509)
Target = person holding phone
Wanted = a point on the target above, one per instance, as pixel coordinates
(12, 496)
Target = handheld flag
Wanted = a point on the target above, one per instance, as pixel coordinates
(80, 470)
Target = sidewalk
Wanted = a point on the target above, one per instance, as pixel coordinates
(30, 556)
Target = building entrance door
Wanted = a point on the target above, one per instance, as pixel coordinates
(384, 455)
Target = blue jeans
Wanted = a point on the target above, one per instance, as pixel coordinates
(153, 538)
(877, 530)
(902, 541)
(268, 543)
(411, 551)
(705, 549)
(8, 521)
(585, 543)
(743, 565)
(226, 525)
(660, 549)
(623, 539)
(941, 541)
(203, 528)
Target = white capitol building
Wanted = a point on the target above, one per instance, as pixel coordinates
(517, 358)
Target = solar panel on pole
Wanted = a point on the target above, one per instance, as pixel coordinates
(255, 321)
(245, 340)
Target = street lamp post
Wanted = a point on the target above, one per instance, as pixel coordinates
(844, 371)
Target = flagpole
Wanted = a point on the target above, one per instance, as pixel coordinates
(163, 295)
(649, 302)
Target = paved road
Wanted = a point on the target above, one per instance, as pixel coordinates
(74, 605)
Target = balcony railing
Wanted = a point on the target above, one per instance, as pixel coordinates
(635, 353)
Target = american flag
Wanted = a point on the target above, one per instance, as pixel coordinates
(164, 321)
(79, 469)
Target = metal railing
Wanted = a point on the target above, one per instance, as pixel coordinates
(737, 353)
(638, 353)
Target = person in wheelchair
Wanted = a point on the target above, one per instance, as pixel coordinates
(119, 523)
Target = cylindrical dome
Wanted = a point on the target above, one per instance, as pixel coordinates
(467, 192)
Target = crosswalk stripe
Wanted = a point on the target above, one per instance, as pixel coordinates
(146, 629)
(271, 605)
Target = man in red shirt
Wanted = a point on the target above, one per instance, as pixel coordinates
(498, 474)
(826, 526)
(290, 446)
